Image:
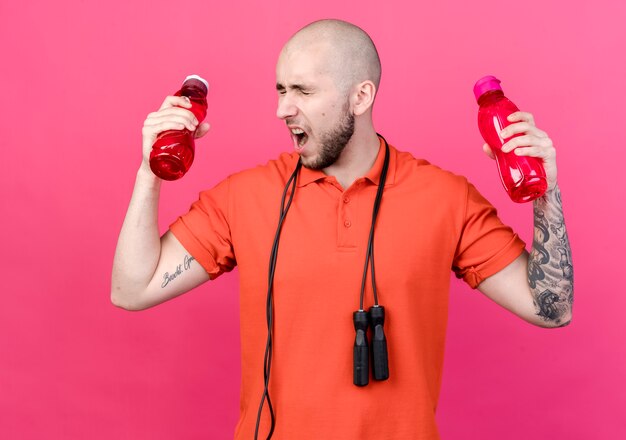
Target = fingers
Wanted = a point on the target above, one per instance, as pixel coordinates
(546, 154)
(488, 152)
(528, 140)
(152, 131)
(522, 116)
(175, 101)
(202, 129)
(172, 115)
(522, 127)
(525, 139)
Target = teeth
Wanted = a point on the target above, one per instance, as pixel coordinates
(296, 131)
(302, 140)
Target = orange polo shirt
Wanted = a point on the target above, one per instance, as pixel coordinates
(430, 222)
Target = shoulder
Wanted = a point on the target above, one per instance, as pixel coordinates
(417, 171)
(252, 186)
(275, 171)
(259, 178)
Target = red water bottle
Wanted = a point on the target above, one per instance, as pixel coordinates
(173, 151)
(523, 177)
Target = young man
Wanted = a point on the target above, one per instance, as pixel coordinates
(429, 221)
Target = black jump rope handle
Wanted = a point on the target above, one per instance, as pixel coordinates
(380, 364)
(361, 349)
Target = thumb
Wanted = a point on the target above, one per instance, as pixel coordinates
(488, 152)
(202, 129)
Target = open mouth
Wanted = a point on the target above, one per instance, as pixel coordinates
(299, 137)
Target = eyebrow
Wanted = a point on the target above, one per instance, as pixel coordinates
(281, 87)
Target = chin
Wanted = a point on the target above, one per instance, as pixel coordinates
(309, 158)
(310, 162)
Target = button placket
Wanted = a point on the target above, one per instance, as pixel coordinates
(346, 226)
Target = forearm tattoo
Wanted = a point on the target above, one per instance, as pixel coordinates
(169, 277)
(550, 269)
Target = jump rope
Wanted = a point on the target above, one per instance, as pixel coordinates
(374, 318)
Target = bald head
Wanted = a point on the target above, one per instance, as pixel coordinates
(348, 53)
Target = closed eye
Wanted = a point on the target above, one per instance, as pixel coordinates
(300, 88)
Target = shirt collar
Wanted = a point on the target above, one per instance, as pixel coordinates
(373, 175)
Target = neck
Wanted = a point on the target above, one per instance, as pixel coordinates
(357, 158)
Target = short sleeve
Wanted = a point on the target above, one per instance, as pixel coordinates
(486, 245)
(205, 233)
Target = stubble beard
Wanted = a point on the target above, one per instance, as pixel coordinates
(333, 142)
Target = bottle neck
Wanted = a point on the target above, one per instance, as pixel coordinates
(194, 88)
(490, 96)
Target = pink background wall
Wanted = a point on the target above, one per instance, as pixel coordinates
(78, 79)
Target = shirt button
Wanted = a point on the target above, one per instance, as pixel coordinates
(347, 223)
(346, 199)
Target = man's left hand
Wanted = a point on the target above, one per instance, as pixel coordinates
(533, 142)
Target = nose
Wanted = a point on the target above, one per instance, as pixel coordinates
(286, 107)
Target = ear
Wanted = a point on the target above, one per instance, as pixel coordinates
(363, 97)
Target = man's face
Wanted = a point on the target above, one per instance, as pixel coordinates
(316, 112)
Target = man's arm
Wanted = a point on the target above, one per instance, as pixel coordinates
(148, 269)
(538, 287)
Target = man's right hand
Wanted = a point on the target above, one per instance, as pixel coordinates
(174, 114)
(148, 269)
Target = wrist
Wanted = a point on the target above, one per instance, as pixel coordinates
(147, 177)
(554, 188)
(550, 194)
